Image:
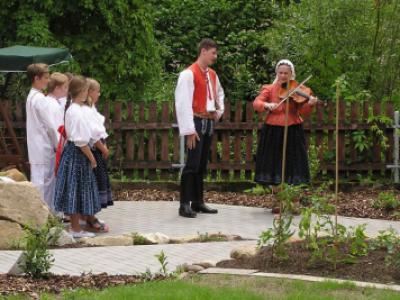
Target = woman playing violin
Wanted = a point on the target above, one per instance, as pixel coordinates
(269, 152)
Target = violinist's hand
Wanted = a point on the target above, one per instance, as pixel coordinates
(270, 106)
(313, 100)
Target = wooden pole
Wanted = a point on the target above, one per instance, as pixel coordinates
(337, 156)
(285, 135)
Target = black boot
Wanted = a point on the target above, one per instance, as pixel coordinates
(186, 211)
(201, 207)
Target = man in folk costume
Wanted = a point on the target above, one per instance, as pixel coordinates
(199, 102)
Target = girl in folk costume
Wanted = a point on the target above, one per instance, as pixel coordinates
(100, 153)
(76, 188)
(199, 102)
(269, 152)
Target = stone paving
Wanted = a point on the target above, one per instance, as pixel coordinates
(148, 217)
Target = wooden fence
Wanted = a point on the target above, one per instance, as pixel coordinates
(145, 141)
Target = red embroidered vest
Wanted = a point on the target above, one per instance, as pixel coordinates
(200, 88)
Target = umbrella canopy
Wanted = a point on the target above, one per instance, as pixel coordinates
(18, 58)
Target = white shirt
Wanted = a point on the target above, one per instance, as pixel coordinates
(55, 118)
(77, 126)
(62, 101)
(184, 101)
(41, 128)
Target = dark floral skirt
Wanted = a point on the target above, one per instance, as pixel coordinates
(76, 188)
(102, 179)
(269, 156)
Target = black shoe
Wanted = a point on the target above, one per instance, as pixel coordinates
(186, 211)
(201, 207)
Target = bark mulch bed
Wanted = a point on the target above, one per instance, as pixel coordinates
(56, 284)
(357, 204)
(371, 268)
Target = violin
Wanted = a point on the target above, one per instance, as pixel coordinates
(299, 95)
(296, 92)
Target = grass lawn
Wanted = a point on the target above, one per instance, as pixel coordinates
(213, 287)
(274, 289)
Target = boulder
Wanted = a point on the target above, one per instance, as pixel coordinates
(20, 204)
(244, 251)
(15, 175)
(10, 233)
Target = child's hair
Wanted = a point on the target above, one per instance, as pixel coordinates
(206, 44)
(69, 75)
(93, 84)
(77, 85)
(56, 79)
(34, 70)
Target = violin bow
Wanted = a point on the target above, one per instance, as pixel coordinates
(294, 90)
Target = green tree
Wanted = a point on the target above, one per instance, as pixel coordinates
(112, 41)
(237, 26)
(360, 39)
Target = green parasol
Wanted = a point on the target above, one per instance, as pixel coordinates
(18, 58)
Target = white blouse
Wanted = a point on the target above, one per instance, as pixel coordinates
(184, 102)
(77, 126)
(100, 120)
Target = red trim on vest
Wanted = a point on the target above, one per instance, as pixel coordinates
(200, 87)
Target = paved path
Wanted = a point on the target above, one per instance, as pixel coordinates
(146, 217)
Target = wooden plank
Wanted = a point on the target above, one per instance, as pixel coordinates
(249, 138)
(319, 138)
(225, 137)
(376, 148)
(389, 151)
(331, 132)
(238, 138)
(152, 139)
(130, 145)
(342, 136)
(165, 138)
(140, 139)
(354, 119)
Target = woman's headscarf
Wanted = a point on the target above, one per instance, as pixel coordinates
(285, 62)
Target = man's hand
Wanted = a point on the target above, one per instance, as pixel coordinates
(191, 140)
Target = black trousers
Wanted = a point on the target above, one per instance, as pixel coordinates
(196, 163)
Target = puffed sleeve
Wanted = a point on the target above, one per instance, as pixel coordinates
(220, 99)
(262, 98)
(100, 119)
(184, 102)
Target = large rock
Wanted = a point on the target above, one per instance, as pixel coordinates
(244, 251)
(15, 175)
(10, 233)
(20, 204)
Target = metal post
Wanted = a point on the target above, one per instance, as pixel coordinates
(181, 164)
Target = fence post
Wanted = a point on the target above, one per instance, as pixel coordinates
(395, 166)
